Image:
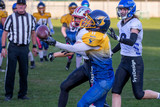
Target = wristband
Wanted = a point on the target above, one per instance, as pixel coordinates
(3, 47)
(34, 46)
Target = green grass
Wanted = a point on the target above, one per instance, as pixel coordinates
(45, 79)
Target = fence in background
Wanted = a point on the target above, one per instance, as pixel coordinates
(146, 9)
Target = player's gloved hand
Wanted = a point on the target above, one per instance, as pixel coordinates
(67, 40)
(52, 32)
(50, 41)
(50, 56)
(112, 34)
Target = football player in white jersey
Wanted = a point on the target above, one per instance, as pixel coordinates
(130, 42)
(80, 74)
(96, 45)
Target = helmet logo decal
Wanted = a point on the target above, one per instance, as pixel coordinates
(100, 20)
(130, 2)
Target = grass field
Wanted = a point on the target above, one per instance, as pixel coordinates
(45, 79)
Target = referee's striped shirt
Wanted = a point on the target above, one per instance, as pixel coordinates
(19, 28)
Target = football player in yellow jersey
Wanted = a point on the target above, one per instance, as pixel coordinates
(68, 31)
(96, 45)
(3, 16)
(43, 18)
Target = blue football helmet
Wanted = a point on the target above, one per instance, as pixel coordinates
(85, 3)
(14, 6)
(128, 4)
(41, 7)
(72, 6)
(41, 4)
(97, 20)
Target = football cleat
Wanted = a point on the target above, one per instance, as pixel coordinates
(45, 58)
(68, 65)
(32, 66)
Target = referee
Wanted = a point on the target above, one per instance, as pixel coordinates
(19, 27)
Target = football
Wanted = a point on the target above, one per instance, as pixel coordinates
(43, 32)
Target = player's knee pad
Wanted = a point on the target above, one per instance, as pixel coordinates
(139, 95)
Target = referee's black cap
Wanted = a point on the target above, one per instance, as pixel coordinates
(21, 1)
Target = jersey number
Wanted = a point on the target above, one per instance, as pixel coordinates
(135, 46)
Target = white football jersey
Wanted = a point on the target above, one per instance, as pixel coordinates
(79, 38)
(80, 34)
(125, 31)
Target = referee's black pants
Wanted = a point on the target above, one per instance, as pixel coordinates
(17, 53)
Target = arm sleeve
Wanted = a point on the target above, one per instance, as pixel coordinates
(77, 48)
(130, 41)
(116, 48)
(50, 23)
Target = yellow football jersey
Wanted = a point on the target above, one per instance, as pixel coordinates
(97, 39)
(3, 14)
(42, 19)
(66, 19)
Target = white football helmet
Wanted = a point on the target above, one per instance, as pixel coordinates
(78, 14)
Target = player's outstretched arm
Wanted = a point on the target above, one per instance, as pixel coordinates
(77, 48)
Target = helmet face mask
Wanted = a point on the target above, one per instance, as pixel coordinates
(87, 22)
(122, 13)
(126, 5)
(41, 10)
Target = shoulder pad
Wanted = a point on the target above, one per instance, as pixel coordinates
(48, 14)
(35, 14)
(136, 24)
(3, 14)
(65, 18)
